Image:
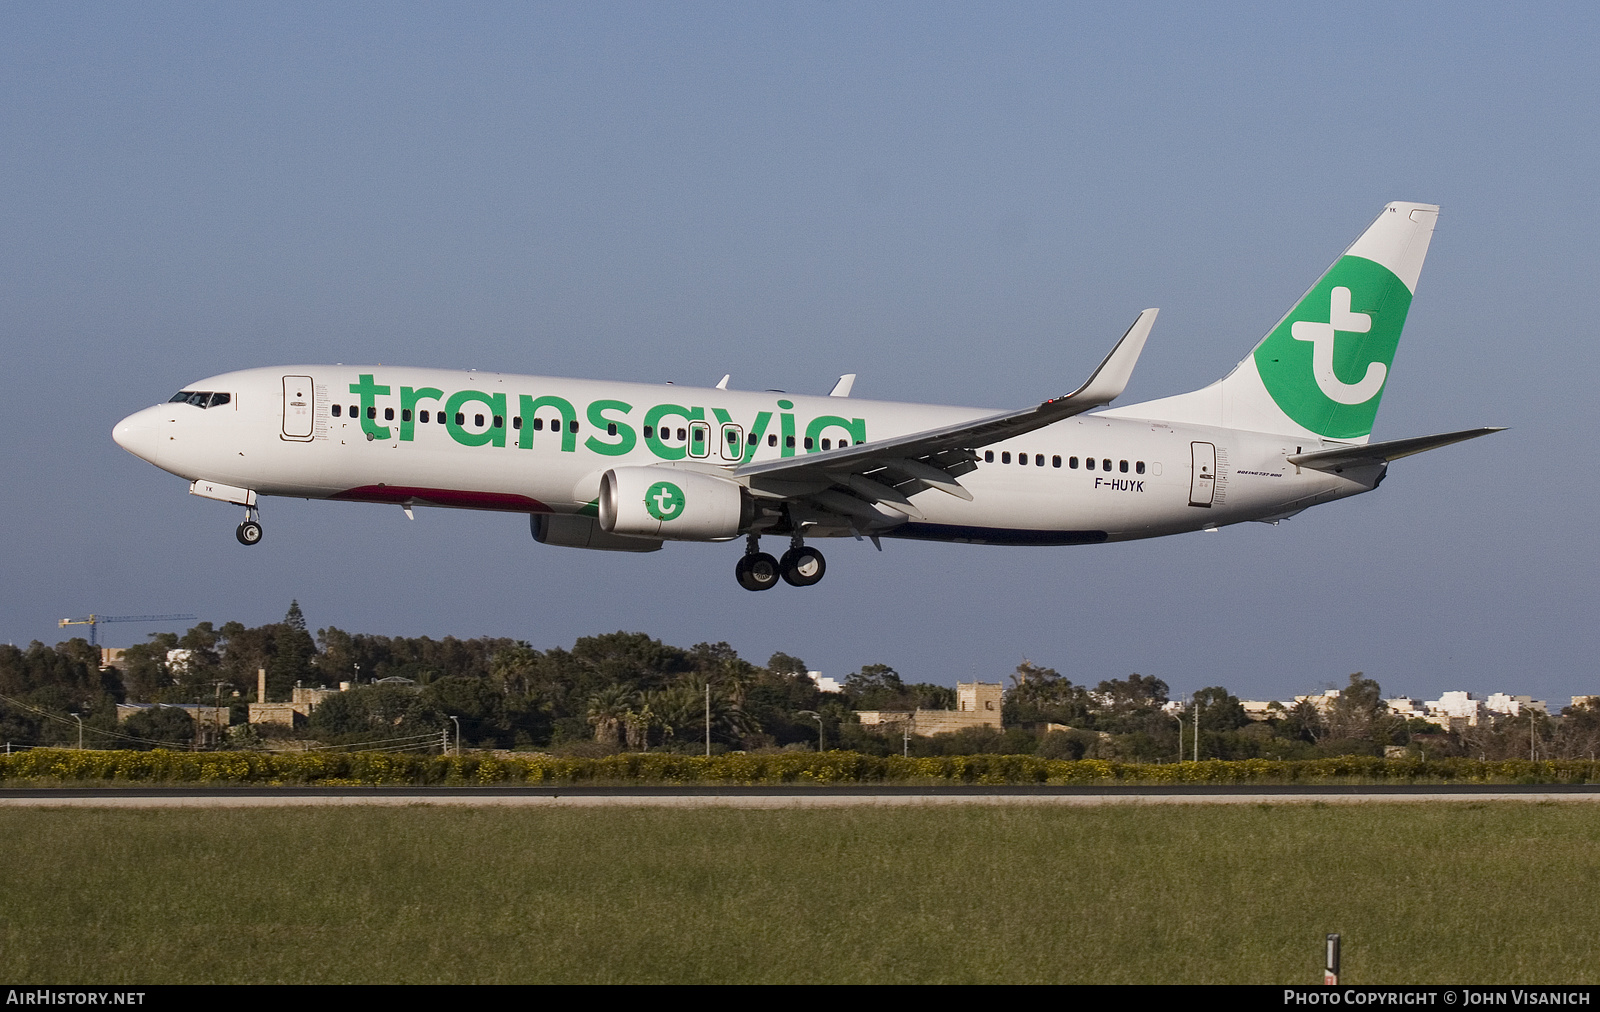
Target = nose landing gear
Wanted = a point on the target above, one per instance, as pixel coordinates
(249, 532)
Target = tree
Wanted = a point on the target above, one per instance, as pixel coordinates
(1357, 705)
(874, 687)
(160, 727)
(608, 708)
(1220, 710)
(1041, 695)
(293, 652)
(1136, 692)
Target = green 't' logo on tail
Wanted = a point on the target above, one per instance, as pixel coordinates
(1325, 365)
(664, 501)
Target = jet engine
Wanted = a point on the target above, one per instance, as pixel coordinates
(673, 503)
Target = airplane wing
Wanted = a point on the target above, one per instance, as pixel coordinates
(887, 472)
(1340, 457)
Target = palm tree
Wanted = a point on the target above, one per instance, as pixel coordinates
(608, 708)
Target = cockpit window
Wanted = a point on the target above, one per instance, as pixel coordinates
(200, 398)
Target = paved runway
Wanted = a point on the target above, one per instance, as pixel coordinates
(782, 797)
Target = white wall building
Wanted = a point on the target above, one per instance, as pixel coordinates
(1457, 706)
(1513, 706)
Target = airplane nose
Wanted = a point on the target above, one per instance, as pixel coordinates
(138, 433)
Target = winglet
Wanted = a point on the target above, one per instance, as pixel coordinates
(1108, 381)
(842, 388)
(722, 384)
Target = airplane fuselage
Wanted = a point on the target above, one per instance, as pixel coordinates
(529, 444)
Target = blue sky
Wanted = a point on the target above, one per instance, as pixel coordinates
(960, 203)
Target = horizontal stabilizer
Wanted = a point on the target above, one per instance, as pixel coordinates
(1340, 457)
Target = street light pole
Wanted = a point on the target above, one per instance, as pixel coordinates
(814, 715)
(458, 734)
(79, 719)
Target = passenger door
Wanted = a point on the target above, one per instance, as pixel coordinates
(299, 407)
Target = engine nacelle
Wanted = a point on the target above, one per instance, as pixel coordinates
(583, 532)
(673, 503)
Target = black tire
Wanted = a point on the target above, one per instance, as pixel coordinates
(249, 533)
(803, 566)
(757, 572)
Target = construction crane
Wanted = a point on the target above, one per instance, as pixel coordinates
(95, 621)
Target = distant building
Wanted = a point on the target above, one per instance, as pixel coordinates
(1457, 710)
(1322, 701)
(977, 705)
(302, 701)
(1406, 707)
(1586, 700)
(1263, 709)
(203, 716)
(824, 684)
(1514, 706)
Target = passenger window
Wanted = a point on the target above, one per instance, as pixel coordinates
(477, 419)
(827, 445)
(1055, 461)
(516, 422)
(733, 437)
(1022, 458)
(773, 441)
(336, 411)
(424, 417)
(699, 435)
(1038, 460)
(1088, 462)
(1072, 462)
(755, 440)
(372, 413)
(388, 414)
(988, 456)
(499, 421)
(808, 442)
(1138, 468)
(682, 434)
(353, 411)
(1105, 464)
(1122, 465)
(611, 428)
(649, 430)
(1005, 456)
(843, 443)
(788, 441)
(461, 418)
(573, 425)
(405, 414)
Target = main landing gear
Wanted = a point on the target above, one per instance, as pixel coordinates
(249, 532)
(800, 566)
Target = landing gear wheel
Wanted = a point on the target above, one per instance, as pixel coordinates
(757, 572)
(802, 566)
(249, 533)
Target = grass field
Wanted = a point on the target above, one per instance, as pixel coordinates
(1460, 893)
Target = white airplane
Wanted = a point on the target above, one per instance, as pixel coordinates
(629, 466)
